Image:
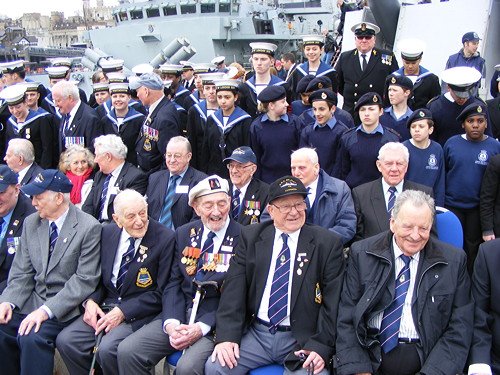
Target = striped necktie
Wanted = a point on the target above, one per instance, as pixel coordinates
(392, 199)
(166, 211)
(104, 192)
(391, 321)
(53, 238)
(278, 299)
(125, 263)
(66, 124)
(236, 204)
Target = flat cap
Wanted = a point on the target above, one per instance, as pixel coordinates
(150, 80)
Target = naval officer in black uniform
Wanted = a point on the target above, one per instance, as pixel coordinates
(363, 69)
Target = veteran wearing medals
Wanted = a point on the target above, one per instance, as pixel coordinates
(14, 208)
(204, 248)
(248, 194)
(364, 68)
(280, 298)
(136, 259)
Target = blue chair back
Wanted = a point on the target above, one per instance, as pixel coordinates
(268, 370)
(449, 227)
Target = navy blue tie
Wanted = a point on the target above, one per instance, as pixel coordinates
(53, 238)
(365, 63)
(125, 263)
(104, 193)
(391, 200)
(166, 211)
(66, 124)
(278, 299)
(391, 321)
(236, 204)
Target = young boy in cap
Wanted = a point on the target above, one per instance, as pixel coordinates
(426, 164)
(227, 129)
(123, 120)
(324, 134)
(359, 146)
(396, 115)
(274, 134)
(262, 61)
(301, 105)
(313, 47)
(466, 159)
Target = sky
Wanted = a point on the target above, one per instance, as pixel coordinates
(11, 8)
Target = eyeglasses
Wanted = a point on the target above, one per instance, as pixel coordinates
(238, 167)
(367, 37)
(175, 156)
(286, 209)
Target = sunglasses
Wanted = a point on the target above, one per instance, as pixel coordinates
(367, 37)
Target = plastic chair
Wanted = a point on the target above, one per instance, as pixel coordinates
(449, 227)
(268, 370)
(173, 358)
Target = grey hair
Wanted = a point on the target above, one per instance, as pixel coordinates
(417, 198)
(307, 152)
(124, 198)
(393, 146)
(181, 139)
(23, 148)
(66, 89)
(113, 144)
(65, 162)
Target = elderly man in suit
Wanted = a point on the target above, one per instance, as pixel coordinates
(168, 189)
(80, 123)
(136, 257)
(374, 200)
(115, 174)
(204, 248)
(281, 294)
(248, 194)
(54, 270)
(20, 157)
(406, 305)
(14, 208)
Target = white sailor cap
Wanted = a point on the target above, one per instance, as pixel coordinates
(12, 66)
(203, 68)
(100, 86)
(461, 79)
(497, 67)
(479, 368)
(119, 88)
(227, 85)
(210, 185)
(142, 68)
(170, 69)
(365, 28)
(116, 77)
(211, 77)
(411, 49)
(30, 86)
(14, 94)
(111, 65)
(61, 61)
(218, 60)
(57, 71)
(263, 47)
(313, 40)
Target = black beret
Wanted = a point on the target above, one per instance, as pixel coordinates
(325, 95)
(399, 80)
(319, 83)
(476, 108)
(271, 94)
(419, 114)
(370, 98)
(303, 83)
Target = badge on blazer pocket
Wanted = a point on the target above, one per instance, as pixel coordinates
(143, 278)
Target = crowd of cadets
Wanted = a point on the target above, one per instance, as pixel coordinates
(450, 137)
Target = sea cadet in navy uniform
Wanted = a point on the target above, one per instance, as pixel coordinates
(168, 188)
(262, 60)
(425, 84)
(203, 251)
(161, 124)
(227, 129)
(181, 95)
(123, 120)
(248, 194)
(363, 69)
(107, 106)
(399, 90)
(14, 208)
(20, 157)
(313, 47)
(101, 95)
(136, 257)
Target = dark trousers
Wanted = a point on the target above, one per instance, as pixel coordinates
(29, 354)
(402, 360)
(469, 218)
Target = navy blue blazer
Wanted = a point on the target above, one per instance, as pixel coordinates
(179, 293)
(182, 213)
(22, 210)
(130, 177)
(32, 172)
(257, 191)
(140, 299)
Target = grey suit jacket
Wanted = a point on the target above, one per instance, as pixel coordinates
(70, 276)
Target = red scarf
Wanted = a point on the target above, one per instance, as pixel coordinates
(77, 181)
